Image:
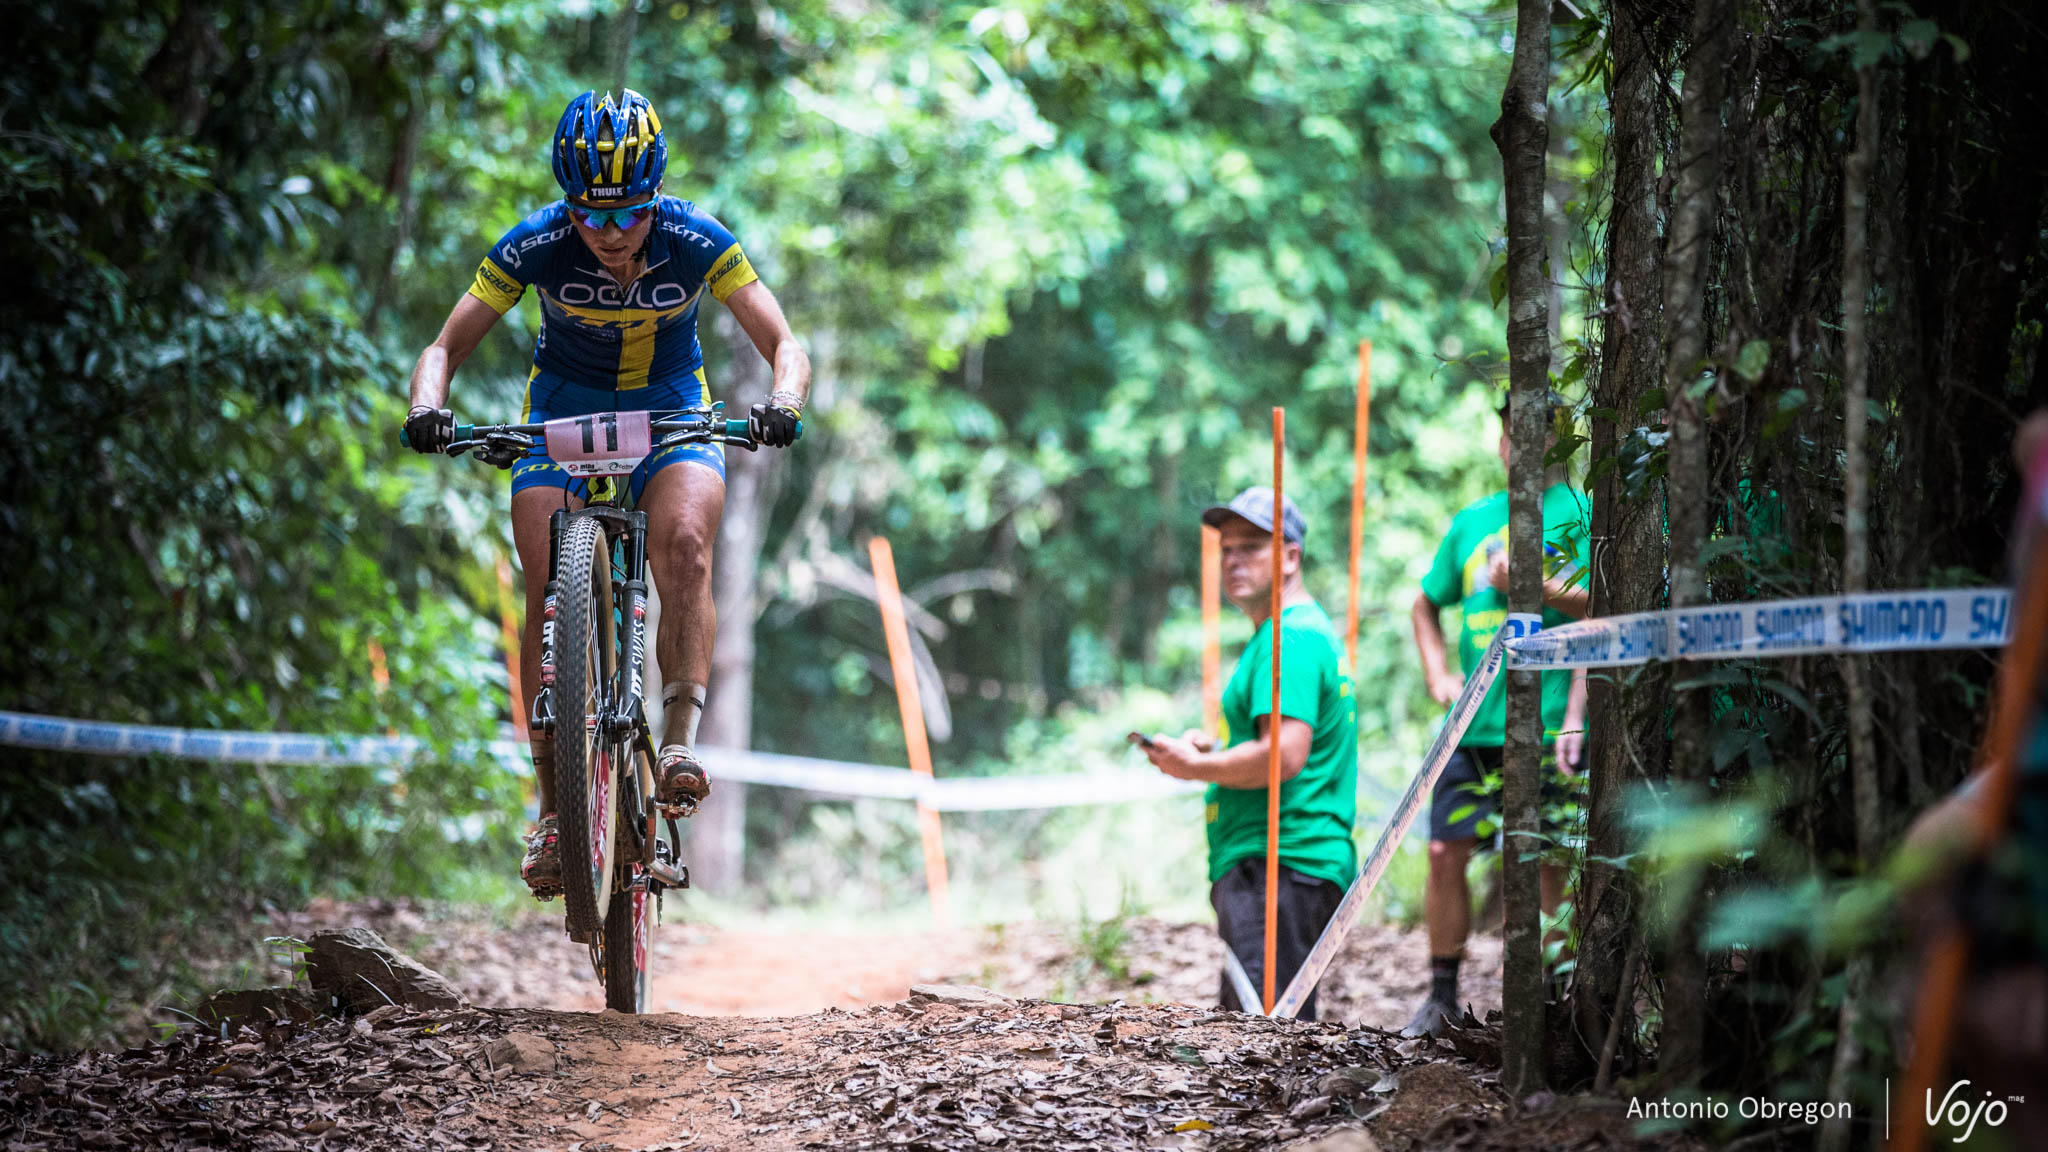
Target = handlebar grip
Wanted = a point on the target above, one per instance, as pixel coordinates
(462, 432)
(745, 429)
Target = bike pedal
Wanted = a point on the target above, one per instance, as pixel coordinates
(679, 811)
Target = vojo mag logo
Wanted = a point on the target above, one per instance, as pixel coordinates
(1958, 1110)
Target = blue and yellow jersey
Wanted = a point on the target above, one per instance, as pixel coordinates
(593, 332)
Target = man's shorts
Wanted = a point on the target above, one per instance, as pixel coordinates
(550, 397)
(1462, 800)
(1306, 905)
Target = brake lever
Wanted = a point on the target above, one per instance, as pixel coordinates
(504, 449)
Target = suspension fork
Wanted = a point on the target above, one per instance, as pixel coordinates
(543, 719)
(628, 720)
(628, 715)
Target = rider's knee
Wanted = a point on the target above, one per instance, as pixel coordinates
(689, 552)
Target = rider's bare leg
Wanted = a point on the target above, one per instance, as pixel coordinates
(531, 509)
(684, 504)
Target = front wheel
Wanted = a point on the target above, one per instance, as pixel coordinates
(629, 947)
(586, 771)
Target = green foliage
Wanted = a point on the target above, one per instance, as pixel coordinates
(205, 523)
(1101, 945)
(1054, 261)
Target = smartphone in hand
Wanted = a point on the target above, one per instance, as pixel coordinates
(1140, 739)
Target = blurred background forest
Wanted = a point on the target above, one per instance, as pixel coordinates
(1055, 260)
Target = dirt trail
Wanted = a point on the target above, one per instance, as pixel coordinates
(922, 1075)
(526, 962)
(813, 1040)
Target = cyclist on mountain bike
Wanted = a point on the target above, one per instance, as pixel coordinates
(620, 270)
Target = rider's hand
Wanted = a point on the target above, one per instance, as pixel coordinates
(1497, 569)
(775, 423)
(1571, 746)
(1175, 757)
(429, 429)
(1444, 689)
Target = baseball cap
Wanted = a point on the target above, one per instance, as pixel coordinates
(1256, 505)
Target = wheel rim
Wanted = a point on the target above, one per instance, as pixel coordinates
(598, 780)
(601, 823)
(644, 912)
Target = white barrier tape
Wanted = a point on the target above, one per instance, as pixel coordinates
(1419, 789)
(1866, 622)
(950, 794)
(1249, 999)
(24, 730)
(831, 777)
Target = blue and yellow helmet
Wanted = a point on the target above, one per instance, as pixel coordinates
(609, 150)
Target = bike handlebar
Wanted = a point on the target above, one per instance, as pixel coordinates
(697, 427)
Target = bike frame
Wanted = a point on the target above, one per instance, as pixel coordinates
(652, 865)
(623, 720)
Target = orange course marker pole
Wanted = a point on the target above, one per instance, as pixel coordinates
(904, 669)
(380, 676)
(1358, 443)
(1998, 756)
(1212, 630)
(1273, 727)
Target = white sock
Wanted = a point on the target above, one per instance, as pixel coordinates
(683, 705)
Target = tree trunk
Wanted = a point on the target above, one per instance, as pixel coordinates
(718, 833)
(1863, 777)
(1522, 134)
(1685, 282)
(622, 45)
(398, 182)
(1627, 541)
(1855, 428)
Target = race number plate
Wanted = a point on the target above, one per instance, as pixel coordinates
(600, 444)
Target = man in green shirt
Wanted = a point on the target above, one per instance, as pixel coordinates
(1471, 572)
(1318, 734)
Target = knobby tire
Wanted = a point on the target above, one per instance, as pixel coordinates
(586, 771)
(628, 949)
(632, 916)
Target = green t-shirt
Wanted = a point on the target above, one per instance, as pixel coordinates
(1458, 576)
(1318, 806)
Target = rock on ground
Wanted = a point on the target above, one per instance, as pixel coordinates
(520, 1052)
(964, 995)
(354, 970)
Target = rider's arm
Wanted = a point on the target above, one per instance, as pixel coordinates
(1443, 684)
(1239, 766)
(459, 337)
(758, 313)
(1568, 594)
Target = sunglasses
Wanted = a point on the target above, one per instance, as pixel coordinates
(595, 219)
